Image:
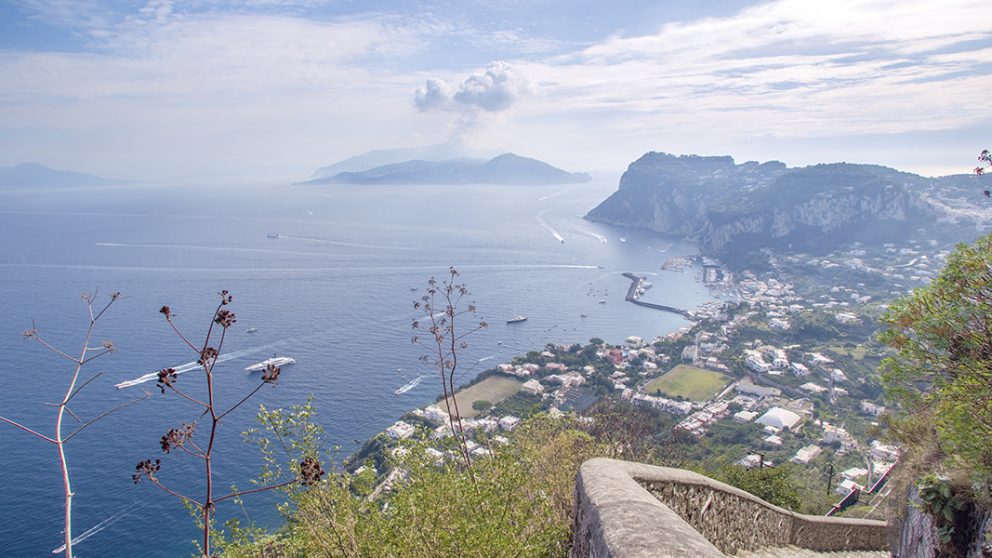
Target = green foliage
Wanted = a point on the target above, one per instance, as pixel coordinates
(481, 405)
(941, 372)
(949, 507)
(773, 485)
(517, 502)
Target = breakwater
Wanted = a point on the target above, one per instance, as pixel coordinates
(632, 296)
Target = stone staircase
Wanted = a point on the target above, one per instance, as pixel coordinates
(632, 510)
(797, 552)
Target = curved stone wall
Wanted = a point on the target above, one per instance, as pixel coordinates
(632, 510)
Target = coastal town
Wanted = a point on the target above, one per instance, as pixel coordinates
(782, 369)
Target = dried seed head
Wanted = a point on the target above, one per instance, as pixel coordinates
(225, 297)
(109, 345)
(115, 295)
(206, 356)
(166, 311)
(225, 318)
(310, 471)
(166, 378)
(177, 437)
(146, 468)
(30, 333)
(271, 374)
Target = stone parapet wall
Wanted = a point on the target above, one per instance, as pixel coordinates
(632, 510)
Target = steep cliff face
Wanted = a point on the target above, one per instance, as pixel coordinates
(731, 208)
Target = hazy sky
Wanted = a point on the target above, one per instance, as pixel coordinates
(276, 88)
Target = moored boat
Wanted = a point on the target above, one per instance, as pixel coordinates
(274, 361)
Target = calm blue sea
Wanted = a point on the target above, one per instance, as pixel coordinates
(334, 291)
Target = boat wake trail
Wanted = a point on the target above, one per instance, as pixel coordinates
(343, 243)
(554, 232)
(189, 366)
(549, 196)
(412, 384)
(598, 237)
(98, 527)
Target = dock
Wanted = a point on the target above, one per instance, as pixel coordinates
(633, 297)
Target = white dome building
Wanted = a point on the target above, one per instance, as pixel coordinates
(779, 418)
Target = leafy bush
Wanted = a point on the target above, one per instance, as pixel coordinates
(517, 502)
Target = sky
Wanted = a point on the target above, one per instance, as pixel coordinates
(171, 89)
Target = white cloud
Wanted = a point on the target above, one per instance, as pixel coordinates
(494, 90)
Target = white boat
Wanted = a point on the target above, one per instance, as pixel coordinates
(275, 361)
(251, 330)
(408, 386)
(517, 319)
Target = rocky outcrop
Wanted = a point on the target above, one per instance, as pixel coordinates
(732, 208)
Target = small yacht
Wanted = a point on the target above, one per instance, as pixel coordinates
(275, 361)
(517, 319)
(251, 330)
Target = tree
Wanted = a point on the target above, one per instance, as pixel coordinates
(941, 372)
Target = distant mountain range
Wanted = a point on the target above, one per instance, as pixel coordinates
(507, 169)
(35, 175)
(734, 209)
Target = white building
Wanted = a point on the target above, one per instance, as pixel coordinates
(806, 454)
(745, 416)
(779, 419)
(532, 386)
(799, 369)
(400, 430)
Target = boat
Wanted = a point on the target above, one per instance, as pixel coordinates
(623, 239)
(274, 361)
(272, 235)
(251, 330)
(602, 301)
(583, 316)
(517, 319)
(408, 386)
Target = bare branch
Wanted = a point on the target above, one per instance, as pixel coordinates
(28, 430)
(105, 413)
(194, 400)
(261, 489)
(180, 334)
(71, 414)
(238, 404)
(56, 351)
(81, 386)
(176, 494)
(96, 356)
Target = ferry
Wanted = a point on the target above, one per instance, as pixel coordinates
(275, 361)
(517, 319)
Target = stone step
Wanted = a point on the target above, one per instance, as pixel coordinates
(796, 552)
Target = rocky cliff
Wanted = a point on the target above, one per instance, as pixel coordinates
(732, 208)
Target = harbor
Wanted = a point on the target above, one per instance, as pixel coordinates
(637, 287)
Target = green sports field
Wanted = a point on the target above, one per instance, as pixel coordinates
(689, 382)
(493, 389)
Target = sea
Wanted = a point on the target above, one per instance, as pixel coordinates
(326, 274)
